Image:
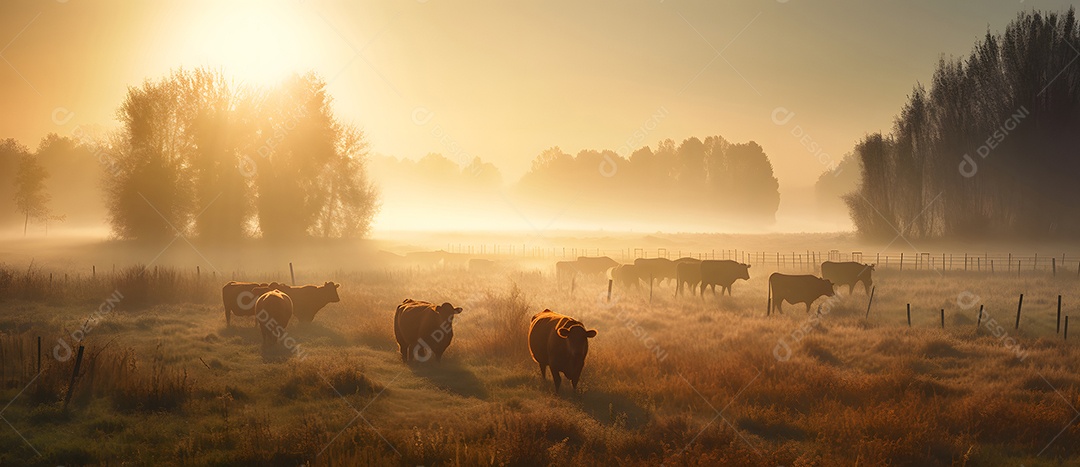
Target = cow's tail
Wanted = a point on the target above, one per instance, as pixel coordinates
(769, 309)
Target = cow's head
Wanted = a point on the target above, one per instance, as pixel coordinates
(330, 289)
(577, 339)
(744, 272)
(826, 288)
(446, 312)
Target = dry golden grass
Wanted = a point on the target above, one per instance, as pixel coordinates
(676, 381)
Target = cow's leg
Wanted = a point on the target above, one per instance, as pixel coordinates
(807, 307)
(574, 383)
(850, 289)
(558, 379)
(543, 372)
(406, 352)
(228, 317)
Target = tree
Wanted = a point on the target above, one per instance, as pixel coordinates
(311, 176)
(198, 156)
(30, 197)
(989, 150)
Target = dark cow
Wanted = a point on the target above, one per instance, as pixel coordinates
(560, 342)
(848, 273)
(688, 273)
(309, 299)
(723, 273)
(239, 297)
(658, 269)
(797, 289)
(481, 265)
(423, 329)
(626, 275)
(594, 266)
(274, 310)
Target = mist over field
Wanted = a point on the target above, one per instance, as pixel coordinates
(459, 233)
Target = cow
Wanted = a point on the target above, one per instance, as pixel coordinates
(274, 310)
(848, 273)
(423, 329)
(658, 269)
(626, 275)
(594, 266)
(723, 273)
(479, 265)
(239, 297)
(560, 342)
(689, 273)
(797, 289)
(309, 299)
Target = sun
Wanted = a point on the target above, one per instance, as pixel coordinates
(255, 43)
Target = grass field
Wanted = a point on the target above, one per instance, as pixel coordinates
(679, 381)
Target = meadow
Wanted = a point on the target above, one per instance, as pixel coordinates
(671, 380)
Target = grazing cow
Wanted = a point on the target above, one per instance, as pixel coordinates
(689, 273)
(848, 273)
(658, 269)
(560, 342)
(723, 273)
(797, 289)
(423, 329)
(481, 265)
(626, 275)
(239, 297)
(594, 266)
(309, 299)
(275, 308)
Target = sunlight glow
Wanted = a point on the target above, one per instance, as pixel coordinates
(257, 43)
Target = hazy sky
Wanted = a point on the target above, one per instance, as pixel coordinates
(505, 80)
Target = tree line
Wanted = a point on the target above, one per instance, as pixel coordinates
(990, 149)
(715, 182)
(197, 156)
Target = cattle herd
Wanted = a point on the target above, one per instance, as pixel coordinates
(424, 330)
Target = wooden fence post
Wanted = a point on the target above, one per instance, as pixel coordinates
(909, 315)
(870, 302)
(942, 318)
(74, 374)
(1059, 315)
(609, 290)
(978, 322)
(292, 275)
(1053, 267)
(1019, 306)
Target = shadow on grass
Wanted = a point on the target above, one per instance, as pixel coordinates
(451, 376)
(610, 408)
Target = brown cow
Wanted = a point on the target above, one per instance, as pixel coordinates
(423, 329)
(626, 275)
(658, 269)
(594, 265)
(309, 299)
(723, 273)
(687, 271)
(560, 342)
(797, 289)
(275, 308)
(848, 273)
(239, 297)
